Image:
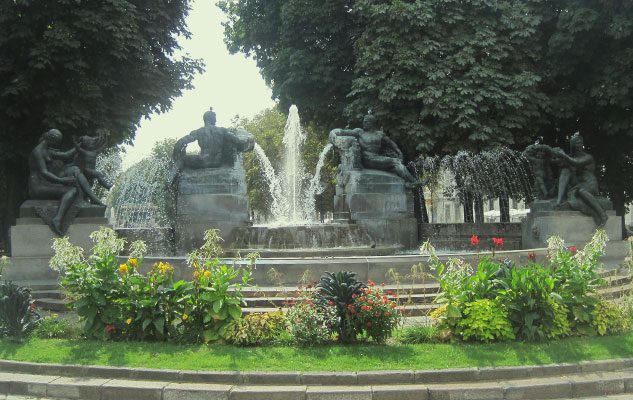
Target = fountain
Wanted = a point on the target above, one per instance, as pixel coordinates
(294, 227)
(141, 205)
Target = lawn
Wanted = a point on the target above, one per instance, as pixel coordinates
(326, 358)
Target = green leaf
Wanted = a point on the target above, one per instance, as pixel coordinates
(235, 311)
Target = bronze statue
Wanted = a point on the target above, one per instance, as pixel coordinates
(577, 181)
(88, 149)
(376, 150)
(540, 158)
(53, 176)
(218, 146)
(576, 186)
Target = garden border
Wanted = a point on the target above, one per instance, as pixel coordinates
(388, 377)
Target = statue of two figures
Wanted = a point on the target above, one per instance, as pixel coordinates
(65, 176)
(574, 186)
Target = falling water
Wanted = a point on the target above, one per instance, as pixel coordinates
(315, 184)
(489, 174)
(109, 164)
(279, 208)
(293, 172)
(141, 197)
(292, 202)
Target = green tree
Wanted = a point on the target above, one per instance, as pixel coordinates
(303, 48)
(83, 67)
(587, 64)
(448, 75)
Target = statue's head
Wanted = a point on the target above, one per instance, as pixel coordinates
(369, 122)
(576, 142)
(91, 142)
(54, 136)
(209, 117)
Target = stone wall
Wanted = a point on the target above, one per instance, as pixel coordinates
(457, 236)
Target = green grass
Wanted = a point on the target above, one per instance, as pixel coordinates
(326, 358)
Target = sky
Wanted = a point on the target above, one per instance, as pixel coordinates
(231, 84)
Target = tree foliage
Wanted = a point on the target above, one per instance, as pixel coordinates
(303, 48)
(448, 75)
(84, 67)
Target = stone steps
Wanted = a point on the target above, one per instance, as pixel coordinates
(609, 379)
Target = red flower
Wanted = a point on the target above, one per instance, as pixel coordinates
(497, 241)
(32, 307)
(573, 250)
(387, 314)
(109, 328)
(354, 296)
(370, 283)
(531, 256)
(474, 240)
(330, 302)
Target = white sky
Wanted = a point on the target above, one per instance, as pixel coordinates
(231, 84)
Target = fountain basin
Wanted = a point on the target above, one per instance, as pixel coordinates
(303, 236)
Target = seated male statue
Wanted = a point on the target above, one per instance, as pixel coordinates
(218, 146)
(377, 150)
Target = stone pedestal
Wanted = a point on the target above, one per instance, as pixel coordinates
(211, 198)
(31, 237)
(574, 227)
(380, 202)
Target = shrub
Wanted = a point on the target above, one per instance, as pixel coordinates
(94, 285)
(526, 294)
(52, 327)
(485, 320)
(560, 326)
(609, 319)
(418, 334)
(115, 301)
(374, 313)
(338, 290)
(256, 329)
(312, 324)
(17, 311)
(576, 276)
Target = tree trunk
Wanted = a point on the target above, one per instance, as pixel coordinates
(479, 209)
(468, 208)
(504, 209)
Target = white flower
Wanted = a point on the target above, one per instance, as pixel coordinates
(138, 248)
(106, 243)
(66, 254)
(555, 244)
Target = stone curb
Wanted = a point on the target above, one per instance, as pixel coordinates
(361, 378)
(562, 387)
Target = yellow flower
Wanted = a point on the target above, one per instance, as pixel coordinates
(207, 274)
(164, 267)
(133, 262)
(184, 317)
(128, 321)
(123, 268)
